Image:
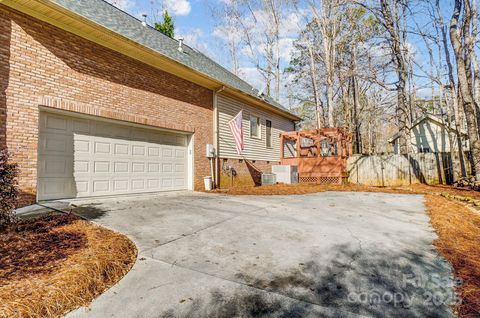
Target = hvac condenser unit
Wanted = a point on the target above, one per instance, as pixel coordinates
(268, 178)
(285, 173)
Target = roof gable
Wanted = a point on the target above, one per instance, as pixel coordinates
(430, 118)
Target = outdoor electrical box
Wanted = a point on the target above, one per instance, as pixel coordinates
(210, 151)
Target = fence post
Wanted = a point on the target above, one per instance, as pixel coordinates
(409, 168)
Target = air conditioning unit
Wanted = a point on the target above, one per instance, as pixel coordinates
(268, 178)
(285, 173)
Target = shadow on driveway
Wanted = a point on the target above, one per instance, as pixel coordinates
(370, 284)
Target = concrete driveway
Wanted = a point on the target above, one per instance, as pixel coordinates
(318, 255)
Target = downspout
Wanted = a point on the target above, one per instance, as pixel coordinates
(216, 137)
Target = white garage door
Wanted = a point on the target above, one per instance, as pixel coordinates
(81, 157)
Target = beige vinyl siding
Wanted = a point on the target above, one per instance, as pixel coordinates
(255, 149)
(429, 134)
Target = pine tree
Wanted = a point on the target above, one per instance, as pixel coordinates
(167, 27)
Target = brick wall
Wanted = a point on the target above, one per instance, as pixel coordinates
(244, 175)
(41, 64)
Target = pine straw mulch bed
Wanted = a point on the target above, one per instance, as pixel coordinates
(305, 188)
(458, 230)
(452, 214)
(56, 263)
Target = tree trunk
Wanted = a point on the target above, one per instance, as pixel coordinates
(396, 42)
(316, 96)
(357, 146)
(331, 122)
(458, 160)
(464, 87)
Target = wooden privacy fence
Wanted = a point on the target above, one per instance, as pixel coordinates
(397, 170)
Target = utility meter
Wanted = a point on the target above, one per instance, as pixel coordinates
(210, 151)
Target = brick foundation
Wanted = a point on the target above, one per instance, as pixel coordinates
(244, 176)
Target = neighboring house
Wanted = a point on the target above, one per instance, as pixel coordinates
(429, 134)
(94, 103)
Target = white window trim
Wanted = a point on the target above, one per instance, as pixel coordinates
(259, 137)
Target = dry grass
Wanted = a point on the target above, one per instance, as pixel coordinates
(288, 189)
(305, 188)
(458, 230)
(54, 265)
(457, 227)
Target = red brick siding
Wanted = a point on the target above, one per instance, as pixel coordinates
(243, 177)
(41, 62)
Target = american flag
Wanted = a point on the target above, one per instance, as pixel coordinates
(236, 127)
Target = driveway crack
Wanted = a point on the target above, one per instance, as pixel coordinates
(182, 236)
(356, 254)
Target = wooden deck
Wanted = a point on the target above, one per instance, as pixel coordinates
(320, 155)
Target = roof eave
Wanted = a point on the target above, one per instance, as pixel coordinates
(260, 102)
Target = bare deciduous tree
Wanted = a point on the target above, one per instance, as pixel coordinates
(461, 41)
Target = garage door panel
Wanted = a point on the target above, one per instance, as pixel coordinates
(82, 157)
(120, 149)
(102, 129)
(51, 187)
(167, 167)
(167, 153)
(138, 184)
(100, 186)
(180, 153)
(120, 132)
(56, 123)
(138, 167)
(153, 167)
(121, 185)
(82, 145)
(81, 126)
(102, 147)
(153, 184)
(56, 166)
(55, 144)
(179, 182)
(140, 135)
(82, 187)
(154, 152)
(181, 141)
(138, 150)
(179, 167)
(167, 183)
(82, 166)
(121, 167)
(101, 167)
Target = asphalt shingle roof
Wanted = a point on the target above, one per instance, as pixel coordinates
(118, 21)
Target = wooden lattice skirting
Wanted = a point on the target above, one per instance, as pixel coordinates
(321, 180)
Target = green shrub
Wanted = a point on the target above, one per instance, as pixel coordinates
(8, 189)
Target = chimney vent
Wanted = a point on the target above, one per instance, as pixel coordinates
(144, 22)
(180, 44)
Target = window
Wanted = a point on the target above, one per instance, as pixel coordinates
(255, 127)
(268, 133)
